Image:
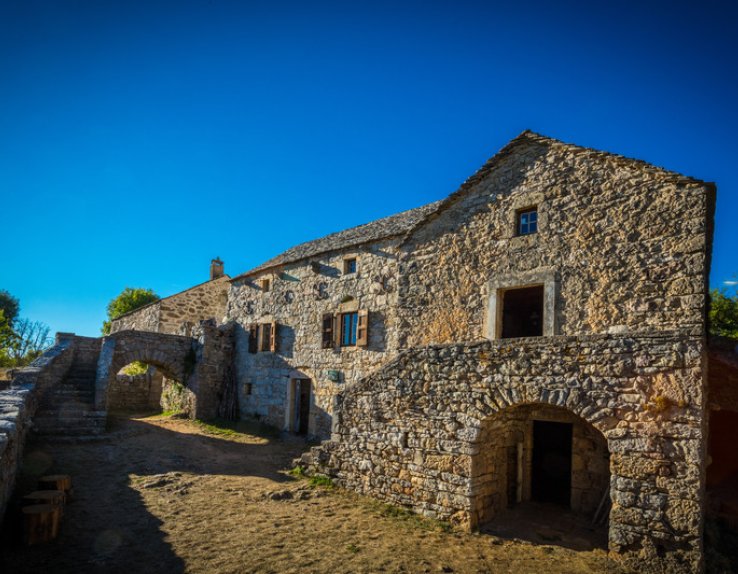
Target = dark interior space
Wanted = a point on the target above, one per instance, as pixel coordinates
(522, 312)
(303, 406)
(551, 472)
(512, 476)
(722, 450)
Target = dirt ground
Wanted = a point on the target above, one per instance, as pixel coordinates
(168, 495)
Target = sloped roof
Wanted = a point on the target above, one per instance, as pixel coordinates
(407, 222)
(391, 226)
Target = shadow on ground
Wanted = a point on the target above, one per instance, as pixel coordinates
(107, 527)
(548, 524)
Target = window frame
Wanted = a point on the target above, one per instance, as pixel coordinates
(348, 262)
(519, 215)
(353, 323)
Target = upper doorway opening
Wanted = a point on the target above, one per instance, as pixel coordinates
(522, 312)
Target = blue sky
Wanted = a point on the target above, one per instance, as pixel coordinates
(140, 139)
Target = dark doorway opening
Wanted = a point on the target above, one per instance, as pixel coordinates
(512, 476)
(522, 312)
(302, 406)
(551, 469)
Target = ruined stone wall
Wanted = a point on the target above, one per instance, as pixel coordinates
(413, 432)
(300, 294)
(18, 404)
(179, 313)
(621, 245)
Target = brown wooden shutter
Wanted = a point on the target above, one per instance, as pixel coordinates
(273, 338)
(253, 338)
(362, 328)
(337, 330)
(327, 330)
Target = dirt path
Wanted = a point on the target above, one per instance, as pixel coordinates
(166, 495)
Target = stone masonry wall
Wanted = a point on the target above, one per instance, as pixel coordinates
(18, 405)
(179, 313)
(144, 319)
(414, 434)
(622, 244)
(300, 294)
(135, 392)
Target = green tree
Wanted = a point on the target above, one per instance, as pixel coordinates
(129, 300)
(9, 305)
(723, 314)
(8, 341)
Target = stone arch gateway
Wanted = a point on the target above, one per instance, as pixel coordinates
(173, 355)
(411, 433)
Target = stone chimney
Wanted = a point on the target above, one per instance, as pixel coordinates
(216, 268)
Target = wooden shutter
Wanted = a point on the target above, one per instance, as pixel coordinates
(273, 338)
(253, 338)
(337, 330)
(327, 330)
(362, 328)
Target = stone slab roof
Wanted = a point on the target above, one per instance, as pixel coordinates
(391, 226)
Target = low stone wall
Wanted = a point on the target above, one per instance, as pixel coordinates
(416, 432)
(135, 392)
(18, 405)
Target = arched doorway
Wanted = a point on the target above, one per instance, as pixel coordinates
(538, 461)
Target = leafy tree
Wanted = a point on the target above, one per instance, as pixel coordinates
(9, 305)
(7, 340)
(129, 300)
(723, 314)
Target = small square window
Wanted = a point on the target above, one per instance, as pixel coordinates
(349, 265)
(265, 284)
(527, 222)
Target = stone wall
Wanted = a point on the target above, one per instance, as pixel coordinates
(145, 318)
(415, 432)
(214, 362)
(622, 247)
(18, 405)
(179, 313)
(300, 294)
(135, 392)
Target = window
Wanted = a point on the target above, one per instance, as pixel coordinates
(349, 265)
(263, 337)
(348, 329)
(527, 221)
(522, 312)
(345, 329)
(265, 284)
(247, 389)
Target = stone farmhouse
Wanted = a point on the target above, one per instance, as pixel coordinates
(540, 334)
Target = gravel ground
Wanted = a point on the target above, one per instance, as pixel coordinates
(169, 495)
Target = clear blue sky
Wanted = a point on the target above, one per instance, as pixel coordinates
(141, 138)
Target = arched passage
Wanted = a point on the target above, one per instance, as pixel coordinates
(538, 453)
(172, 355)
